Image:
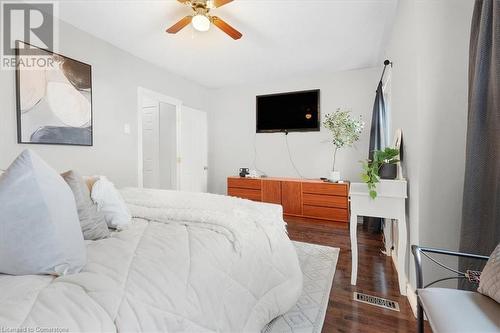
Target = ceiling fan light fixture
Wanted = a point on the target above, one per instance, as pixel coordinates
(201, 22)
(201, 18)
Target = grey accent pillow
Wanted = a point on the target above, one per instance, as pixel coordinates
(489, 284)
(39, 228)
(92, 220)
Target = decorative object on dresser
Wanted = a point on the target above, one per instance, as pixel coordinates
(244, 172)
(299, 197)
(345, 132)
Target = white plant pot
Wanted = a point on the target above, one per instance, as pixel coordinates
(334, 176)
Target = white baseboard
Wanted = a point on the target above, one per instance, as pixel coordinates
(394, 258)
(411, 295)
(412, 298)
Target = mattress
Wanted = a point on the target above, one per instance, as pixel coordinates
(171, 271)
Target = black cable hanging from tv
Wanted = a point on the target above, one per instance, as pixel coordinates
(386, 63)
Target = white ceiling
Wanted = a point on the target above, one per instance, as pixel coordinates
(281, 38)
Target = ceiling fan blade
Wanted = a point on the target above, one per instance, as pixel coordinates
(179, 25)
(219, 3)
(235, 34)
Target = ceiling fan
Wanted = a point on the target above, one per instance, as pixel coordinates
(201, 18)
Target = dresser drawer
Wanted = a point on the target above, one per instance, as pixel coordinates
(245, 193)
(271, 191)
(291, 198)
(322, 200)
(325, 188)
(326, 213)
(250, 183)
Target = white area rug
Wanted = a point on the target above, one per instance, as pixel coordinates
(318, 265)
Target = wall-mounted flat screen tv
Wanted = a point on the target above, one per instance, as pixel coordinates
(288, 112)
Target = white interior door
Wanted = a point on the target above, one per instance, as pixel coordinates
(194, 150)
(150, 143)
(168, 146)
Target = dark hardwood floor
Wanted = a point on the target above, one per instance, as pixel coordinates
(376, 276)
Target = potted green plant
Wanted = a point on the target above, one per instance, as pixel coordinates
(371, 168)
(345, 132)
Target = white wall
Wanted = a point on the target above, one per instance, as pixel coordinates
(402, 52)
(429, 48)
(444, 85)
(116, 76)
(232, 129)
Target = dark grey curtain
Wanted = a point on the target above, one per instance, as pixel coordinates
(378, 130)
(481, 201)
(378, 141)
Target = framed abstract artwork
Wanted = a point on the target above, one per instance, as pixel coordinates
(53, 97)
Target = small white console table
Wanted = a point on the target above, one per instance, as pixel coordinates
(389, 204)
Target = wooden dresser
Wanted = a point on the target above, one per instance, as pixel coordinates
(299, 197)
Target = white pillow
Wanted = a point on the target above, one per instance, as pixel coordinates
(489, 284)
(110, 202)
(39, 226)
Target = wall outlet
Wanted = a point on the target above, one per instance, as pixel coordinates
(126, 128)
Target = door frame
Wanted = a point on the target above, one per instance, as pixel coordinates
(161, 98)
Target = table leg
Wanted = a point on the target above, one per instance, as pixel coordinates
(354, 247)
(402, 241)
(388, 237)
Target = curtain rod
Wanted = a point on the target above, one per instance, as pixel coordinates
(386, 63)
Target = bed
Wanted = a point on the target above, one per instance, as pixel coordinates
(189, 262)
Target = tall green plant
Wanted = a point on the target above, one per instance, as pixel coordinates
(371, 168)
(344, 128)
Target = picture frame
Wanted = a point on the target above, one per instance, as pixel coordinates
(53, 98)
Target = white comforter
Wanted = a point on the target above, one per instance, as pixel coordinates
(188, 263)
